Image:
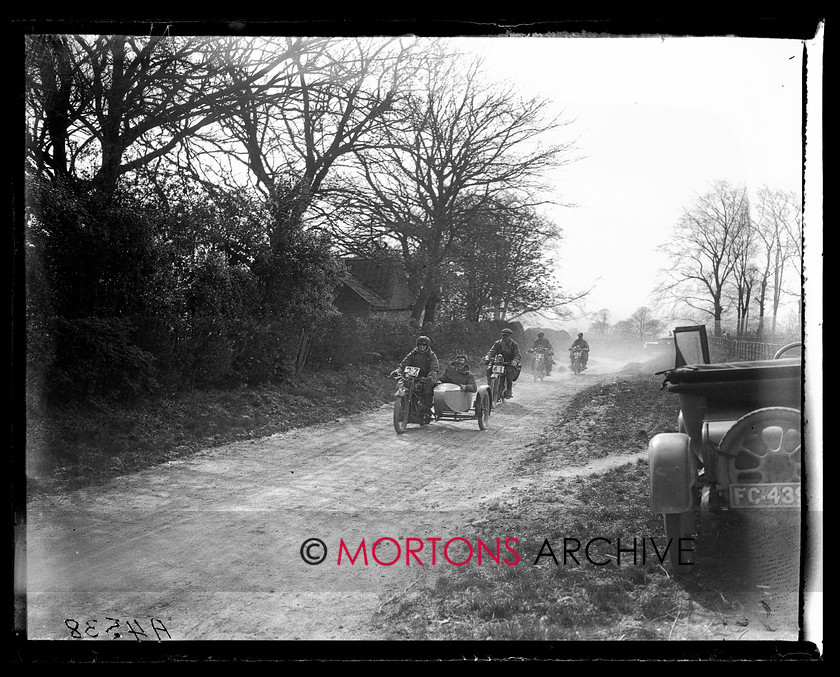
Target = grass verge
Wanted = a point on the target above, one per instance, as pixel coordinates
(549, 596)
(74, 446)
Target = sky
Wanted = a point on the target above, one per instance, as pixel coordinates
(656, 120)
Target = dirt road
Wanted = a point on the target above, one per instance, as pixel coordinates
(210, 547)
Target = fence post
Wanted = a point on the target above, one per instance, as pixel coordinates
(304, 343)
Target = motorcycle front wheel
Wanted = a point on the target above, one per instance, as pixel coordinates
(401, 415)
(496, 396)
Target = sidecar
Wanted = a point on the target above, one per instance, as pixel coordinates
(453, 404)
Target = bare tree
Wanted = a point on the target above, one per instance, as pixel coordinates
(704, 251)
(503, 266)
(625, 328)
(600, 321)
(459, 145)
(745, 273)
(643, 322)
(778, 228)
(101, 107)
(293, 138)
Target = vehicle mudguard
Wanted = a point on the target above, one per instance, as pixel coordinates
(673, 473)
(483, 393)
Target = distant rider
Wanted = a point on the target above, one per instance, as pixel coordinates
(458, 372)
(542, 341)
(509, 350)
(584, 346)
(423, 357)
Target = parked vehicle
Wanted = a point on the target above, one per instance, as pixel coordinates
(738, 445)
(660, 346)
(539, 368)
(577, 360)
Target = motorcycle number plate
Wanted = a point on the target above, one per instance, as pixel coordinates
(498, 369)
(412, 371)
(772, 495)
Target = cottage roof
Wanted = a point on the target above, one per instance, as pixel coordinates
(374, 299)
(385, 278)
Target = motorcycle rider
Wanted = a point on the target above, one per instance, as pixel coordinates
(579, 342)
(509, 350)
(542, 341)
(458, 372)
(423, 357)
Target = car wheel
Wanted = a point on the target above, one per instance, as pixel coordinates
(764, 447)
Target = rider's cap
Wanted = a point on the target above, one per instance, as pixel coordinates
(540, 334)
(422, 340)
(581, 334)
(507, 332)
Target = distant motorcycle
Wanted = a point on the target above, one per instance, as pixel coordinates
(577, 359)
(540, 367)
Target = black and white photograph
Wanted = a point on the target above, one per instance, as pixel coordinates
(426, 342)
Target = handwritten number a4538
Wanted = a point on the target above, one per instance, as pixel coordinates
(134, 628)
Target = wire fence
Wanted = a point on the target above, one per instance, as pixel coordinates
(730, 349)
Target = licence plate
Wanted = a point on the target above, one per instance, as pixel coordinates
(775, 495)
(497, 369)
(412, 371)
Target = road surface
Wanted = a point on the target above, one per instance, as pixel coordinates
(212, 547)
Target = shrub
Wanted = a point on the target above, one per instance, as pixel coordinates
(348, 339)
(339, 340)
(95, 357)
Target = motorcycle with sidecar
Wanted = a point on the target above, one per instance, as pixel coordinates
(449, 402)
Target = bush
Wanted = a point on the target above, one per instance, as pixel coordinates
(347, 339)
(339, 340)
(96, 358)
(216, 302)
(98, 256)
(266, 351)
(473, 339)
